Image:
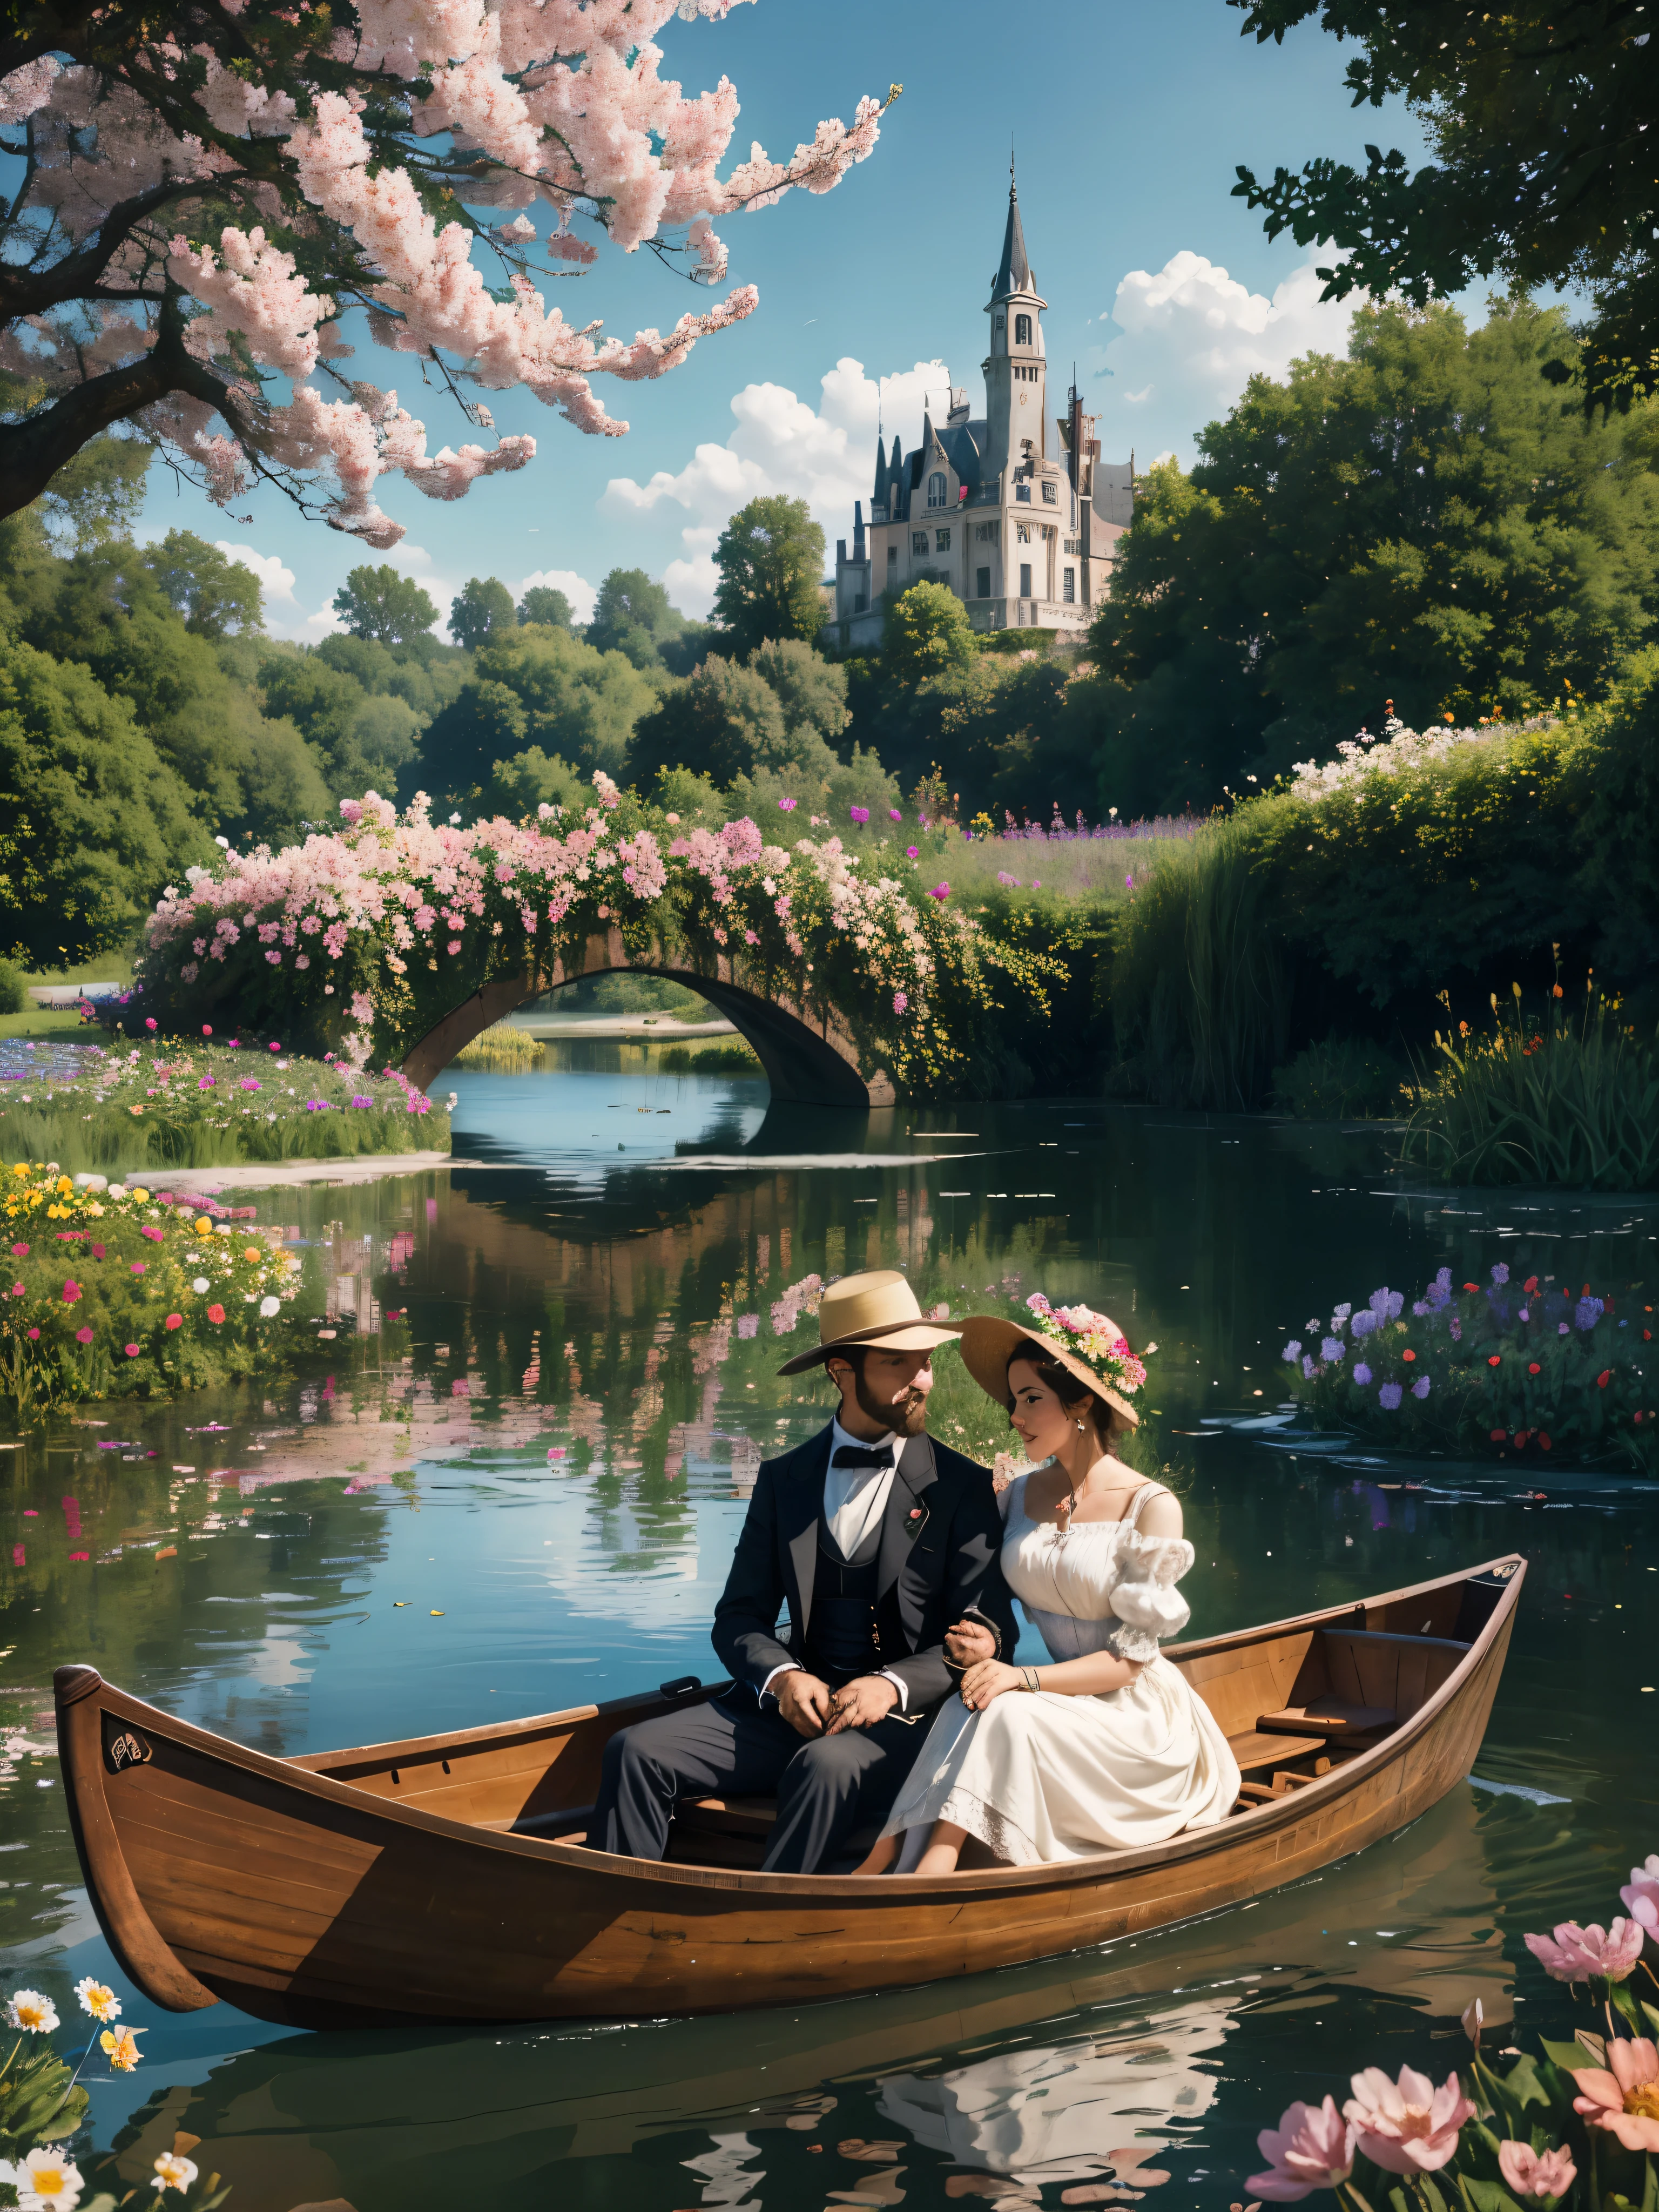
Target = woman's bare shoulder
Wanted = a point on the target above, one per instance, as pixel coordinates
(1161, 1515)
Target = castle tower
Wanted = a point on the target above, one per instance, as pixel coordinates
(1016, 373)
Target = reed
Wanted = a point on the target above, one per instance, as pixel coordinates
(1541, 1100)
(726, 1055)
(1201, 986)
(502, 1049)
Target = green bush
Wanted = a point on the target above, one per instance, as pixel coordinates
(14, 991)
(719, 1056)
(1341, 1081)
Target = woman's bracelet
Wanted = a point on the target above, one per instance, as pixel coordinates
(1029, 1678)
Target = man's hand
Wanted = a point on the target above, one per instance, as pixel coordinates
(803, 1701)
(861, 1704)
(968, 1641)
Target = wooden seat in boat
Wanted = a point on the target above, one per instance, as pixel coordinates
(1327, 1717)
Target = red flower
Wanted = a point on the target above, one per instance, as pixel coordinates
(1531, 1284)
(215, 1314)
(98, 1251)
(1604, 1378)
(1532, 1367)
(1408, 1355)
(1543, 1440)
(1492, 1358)
(1498, 1435)
(1647, 1335)
(71, 1291)
(76, 1555)
(1471, 1286)
(34, 1336)
(1520, 1439)
(175, 1321)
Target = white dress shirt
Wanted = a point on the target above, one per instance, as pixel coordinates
(854, 1499)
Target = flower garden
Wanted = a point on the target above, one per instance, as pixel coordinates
(1528, 1367)
(118, 1292)
(357, 943)
(172, 1104)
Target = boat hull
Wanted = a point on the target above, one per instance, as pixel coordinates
(219, 1873)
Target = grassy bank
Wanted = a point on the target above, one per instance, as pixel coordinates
(156, 1106)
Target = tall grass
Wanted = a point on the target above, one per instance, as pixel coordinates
(1073, 863)
(1549, 1101)
(1201, 986)
(501, 1048)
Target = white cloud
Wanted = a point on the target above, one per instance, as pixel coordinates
(1190, 336)
(275, 583)
(580, 593)
(780, 444)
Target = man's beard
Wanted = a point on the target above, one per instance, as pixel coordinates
(905, 1417)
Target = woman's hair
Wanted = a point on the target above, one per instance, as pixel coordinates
(1109, 1422)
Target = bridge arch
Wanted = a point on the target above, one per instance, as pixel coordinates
(808, 1052)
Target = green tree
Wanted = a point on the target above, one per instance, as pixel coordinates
(811, 691)
(377, 602)
(97, 494)
(96, 822)
(423, 672)
(770, 558)
(1423, 524)
(532, 779)
(216, 597)
(925, 633)
(535, 688)
(723, 723)
(1542, 175)
(632, 616)
(483, 607)
(546, 603)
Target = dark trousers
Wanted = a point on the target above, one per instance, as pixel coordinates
(827, 1786)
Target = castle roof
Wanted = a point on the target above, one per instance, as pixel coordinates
(1015, 273)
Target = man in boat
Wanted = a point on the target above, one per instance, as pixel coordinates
(877, 1539)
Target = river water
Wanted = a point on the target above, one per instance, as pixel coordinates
(512, 1480)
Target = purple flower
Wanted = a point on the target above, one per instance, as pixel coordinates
(1457, 1330)
(1362, 1373)
(1332, 1348)
(1562, 1330)
(787, 805)
(1420, 1387)
(1525, 1313)
(316, 1105)
(1588, 1312)
(362, 1101)
(1292, 1350)
(1341, 1316)
(1387, 1305)
(1500, 1274)
(893, 814)
(1363, 1323)
(1307, 1368)
(1389, 1397)
(858, 813)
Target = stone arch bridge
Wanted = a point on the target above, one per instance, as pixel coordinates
(807, 1051)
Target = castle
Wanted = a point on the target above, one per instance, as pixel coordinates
(1014, 512)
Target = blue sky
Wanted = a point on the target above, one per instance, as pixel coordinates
(1128, 120)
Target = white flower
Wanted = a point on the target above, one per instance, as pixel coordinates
(46, 2181)
(173, 2172)
(29, 2010)
(101, 2003)
(269, 1306)
(200, 1284)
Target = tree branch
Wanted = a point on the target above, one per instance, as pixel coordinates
(32, 451)
(35, 292)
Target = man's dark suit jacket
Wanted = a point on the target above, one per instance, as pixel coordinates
(940, 1557)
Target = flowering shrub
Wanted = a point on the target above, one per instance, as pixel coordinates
(1533, 1366)
(363, 940)
(1396, 751)
(108, 1293)
(173, 1105)
(1578, 2127)
(42, 2105)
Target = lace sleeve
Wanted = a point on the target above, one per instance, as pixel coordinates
(1143, 1593)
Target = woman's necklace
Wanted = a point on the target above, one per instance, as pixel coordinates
(1066, 1507)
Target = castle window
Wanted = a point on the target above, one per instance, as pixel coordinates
(1068, 584)
(1022, 532)
(1025, 579)
(859, 602)
(1050, 494)
(982, 581)
(986, 533)
(941, 541)
(918, 541)
(935, 490)
(1002, 325)
(892, 557)
(1022, 330)
(1023, 492)
(1073, 545)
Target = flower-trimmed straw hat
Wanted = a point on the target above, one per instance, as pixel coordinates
(1088, 1345)
(879, 1307)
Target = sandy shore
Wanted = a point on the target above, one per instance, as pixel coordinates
(258, 1175)
(639, 1028)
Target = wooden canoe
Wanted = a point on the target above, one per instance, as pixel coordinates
(434, 1880)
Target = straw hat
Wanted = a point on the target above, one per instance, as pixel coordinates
(879, 1307)
(989, 1343)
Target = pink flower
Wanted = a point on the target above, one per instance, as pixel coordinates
(1536, 2173)
(207, 1028)
(900, 1002)
(83, 1336)
(1624, 2099)
(205, 1082)
(1408, 2127)
(175, 1321)
(912, 852)
(34, 1336)
(1577, 1953)
(149, 1021)
(893, 814)
(133, 1351)
(1312, 2147)
(71, 1291)
(858, 813)
(1640, 1899)
(149, 1229)
(784, 806)
(215, 1314)
(940, 891)
(138, 1266)
(20, 1251)
(276, 1047)
(17, 1290)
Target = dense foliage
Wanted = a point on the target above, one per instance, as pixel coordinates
(1541, 175)
(1427, 524)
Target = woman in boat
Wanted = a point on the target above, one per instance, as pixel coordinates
(1106, 1748)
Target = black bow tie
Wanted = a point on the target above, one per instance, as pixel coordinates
(862, 1456)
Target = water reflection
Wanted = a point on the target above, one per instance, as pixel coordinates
(511, 1479)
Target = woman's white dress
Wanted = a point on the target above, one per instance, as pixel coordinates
(1043, 1776)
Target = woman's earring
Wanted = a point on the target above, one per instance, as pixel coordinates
(1079, 1428)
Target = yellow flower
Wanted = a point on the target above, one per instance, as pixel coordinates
(175, 2172)
(204, 1226)
(122, 2045)
(64, 1185)
(251, 1253)
(138, 1196)
(21, 1167)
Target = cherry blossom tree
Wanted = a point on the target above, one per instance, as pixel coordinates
(199, 196)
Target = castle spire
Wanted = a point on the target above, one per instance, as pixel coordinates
(1015, 273)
